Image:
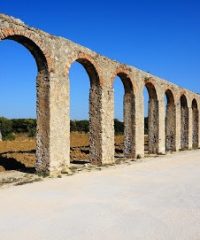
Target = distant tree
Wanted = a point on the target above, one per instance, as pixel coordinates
(119, 126)
(73, 127)
(82, 126)
(6, 129)
(23, 125)
(146, 125)
(79, 126)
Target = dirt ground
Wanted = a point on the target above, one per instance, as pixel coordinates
(20, 153)
(17, 158)
(16, 154)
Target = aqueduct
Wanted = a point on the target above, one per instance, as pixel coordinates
(171, 128)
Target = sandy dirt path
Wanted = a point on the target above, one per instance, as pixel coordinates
(156, 199)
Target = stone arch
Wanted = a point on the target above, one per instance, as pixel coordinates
(151, 90)
(126, 80)
(42, 90)
(33, 48)
(89, 64)
(153, 118)
(170, 122)
(35, 45)
(91, 70)
(184, 122)
(128, 112)
(94, 106)
(195, 124)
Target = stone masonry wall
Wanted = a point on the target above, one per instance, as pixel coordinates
(170, 129)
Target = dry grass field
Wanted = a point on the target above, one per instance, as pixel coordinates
(20, 153)
(17, 154)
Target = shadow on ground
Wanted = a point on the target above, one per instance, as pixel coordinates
(11, 163)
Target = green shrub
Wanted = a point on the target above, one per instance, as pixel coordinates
(9, 127)
(5, 127)
(23, 125)
(119, 127)
(31, 131)
(9, 137)
(79, 126)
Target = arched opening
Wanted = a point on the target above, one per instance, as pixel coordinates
(124, 101)
(150, 119)
(24, 94)
(84, 110)
(119, 117)
(170, 121)
(195, 124)
(184, 122)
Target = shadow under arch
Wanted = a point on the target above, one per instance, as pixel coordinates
(94, 108)
(42, 102)
(184, 122)
(153, 118)
(170, 122)
(195, 124)
(128, 115)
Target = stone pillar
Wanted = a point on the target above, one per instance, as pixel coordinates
(129, 125)
(170, 127)
(161, 126)
(199, 128)
(184, 127)
(139, 124)
(59, 124)
(178, 127)
(195, 127)
(153, 122)
(101, 125)
(43, 128)
(190, 128)
(53, 125)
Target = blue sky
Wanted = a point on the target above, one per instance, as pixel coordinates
(161, 37)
